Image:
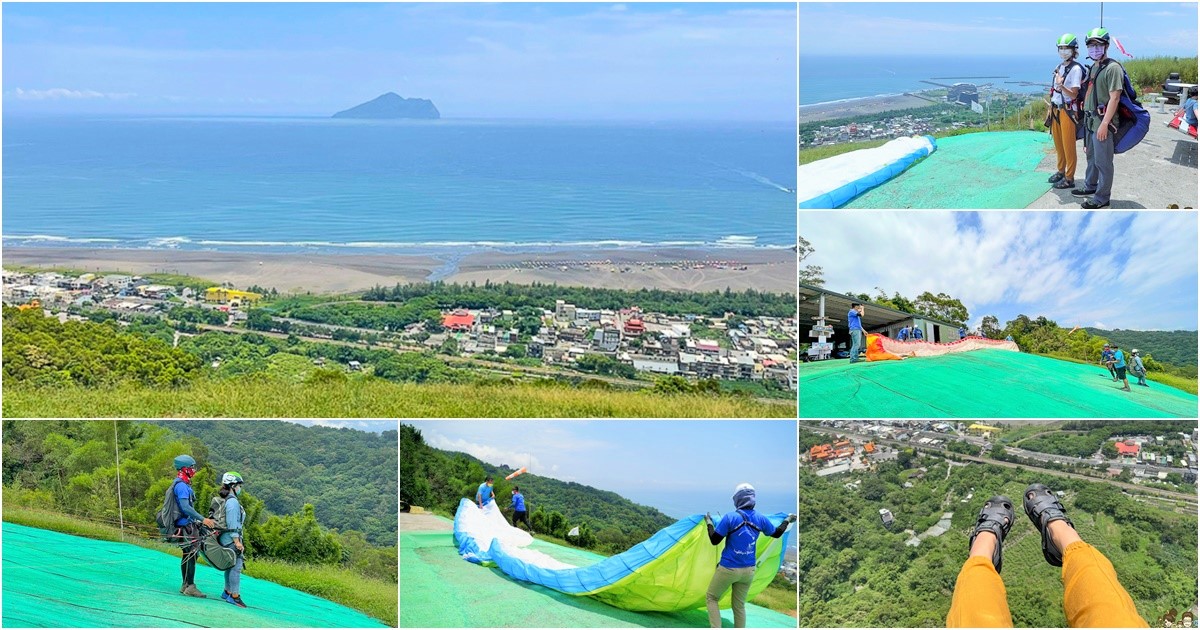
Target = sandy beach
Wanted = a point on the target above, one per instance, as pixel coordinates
(676, 269)
(858, 107)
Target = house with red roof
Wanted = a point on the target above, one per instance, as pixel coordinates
(458, 321)
(1128, 448)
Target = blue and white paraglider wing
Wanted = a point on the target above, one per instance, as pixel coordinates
(834, 181)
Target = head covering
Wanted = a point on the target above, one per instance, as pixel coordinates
(1134, 351)
(743, 496)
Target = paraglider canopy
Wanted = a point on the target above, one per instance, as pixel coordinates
(574, 531)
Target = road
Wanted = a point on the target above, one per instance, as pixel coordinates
(1178, 496)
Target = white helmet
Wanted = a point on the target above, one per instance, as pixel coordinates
(230, 478)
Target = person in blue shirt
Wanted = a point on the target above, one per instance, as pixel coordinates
(735, 571)
(962, 332)
(917, 335)
(484, 496)
(1008, 338)
(1118, 363)
(520, 514)
(1189, 108)
(185, 525)
(903, 334)
(854, 318)
(231, 534)
(1106, 356)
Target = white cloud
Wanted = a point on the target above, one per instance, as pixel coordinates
(54, 94)
(486, 452)
(1133, 270)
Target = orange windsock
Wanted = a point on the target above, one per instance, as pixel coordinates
(1072, 330)
(519, 471)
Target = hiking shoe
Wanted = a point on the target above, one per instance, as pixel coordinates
(1057, 177)
(192, 591)
(233, 599)
(1065, 184)
(1092, 205)
(1083, 192)
(1043, 508)
(995, 516)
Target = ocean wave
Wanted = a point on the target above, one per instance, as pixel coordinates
(184, 242)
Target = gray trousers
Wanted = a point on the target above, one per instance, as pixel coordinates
(724, 579)
(1099, 167)
(856, 344)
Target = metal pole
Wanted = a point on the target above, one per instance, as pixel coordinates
(1101, 15)
(120, 506)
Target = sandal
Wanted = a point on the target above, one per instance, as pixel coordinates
(996, 516)
(1044, 508)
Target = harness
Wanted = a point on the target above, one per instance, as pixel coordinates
(745, 523)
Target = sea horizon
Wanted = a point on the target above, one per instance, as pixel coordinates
(266, 184)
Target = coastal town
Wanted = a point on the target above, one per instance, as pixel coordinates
(1136, 458)
(627, 342)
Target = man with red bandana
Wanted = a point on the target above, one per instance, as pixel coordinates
(186, 524)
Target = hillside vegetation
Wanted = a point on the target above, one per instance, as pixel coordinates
(438, 480)
(856, 572)
(69, 466)
(1176, 347)
(348, 476)
(105, 368)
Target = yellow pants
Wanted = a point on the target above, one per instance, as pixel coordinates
(1092, 596)
(1062, 128)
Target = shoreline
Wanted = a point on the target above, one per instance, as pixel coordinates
(863, 106)
(671, 268)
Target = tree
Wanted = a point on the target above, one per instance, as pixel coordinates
(809, 274)
(258, 319)
(990, 327)
(1109, 450)
(943, 307)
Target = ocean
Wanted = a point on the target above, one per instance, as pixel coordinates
(825, 79)
(304, 184)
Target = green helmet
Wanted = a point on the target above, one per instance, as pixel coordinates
(1099, 34)
(1068, 39)
(231, 478)
(184, 461)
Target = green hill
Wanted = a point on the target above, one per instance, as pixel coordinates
(1177, 347)
(348, 476)
(980, 384)
(437, 480)
(856, 572)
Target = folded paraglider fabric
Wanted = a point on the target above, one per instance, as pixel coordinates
(669, 571)
(834, 181)
(931, 349)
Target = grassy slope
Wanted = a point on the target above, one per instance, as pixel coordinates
(376, 598)
(374, 398)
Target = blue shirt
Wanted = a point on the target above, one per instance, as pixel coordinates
(903, 334)
(518, 502)
(917, 334)
(1105, 355)
(1189, 111)
(484, 494)
(186, 498)
(1120, 357)
(233, 520)
(740, 544)
(855, 320)
(962, 332)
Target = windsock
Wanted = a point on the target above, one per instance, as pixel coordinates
(519, 471)
(1072, 330)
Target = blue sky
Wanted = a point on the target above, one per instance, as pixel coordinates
(565, 61)
(681, 467)
(1105, 269)
(994, 29)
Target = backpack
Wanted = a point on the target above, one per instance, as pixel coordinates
(1132, 120)
(168, 514)
(216, 511)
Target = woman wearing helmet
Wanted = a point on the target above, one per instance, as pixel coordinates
(230, 516)
(740, 530)
(185, 525)
(1065, 110)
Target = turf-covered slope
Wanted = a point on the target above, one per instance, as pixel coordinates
(980, 384)
(56, 580)
(440, 589)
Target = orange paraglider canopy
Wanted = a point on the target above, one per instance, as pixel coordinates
(875, 351)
